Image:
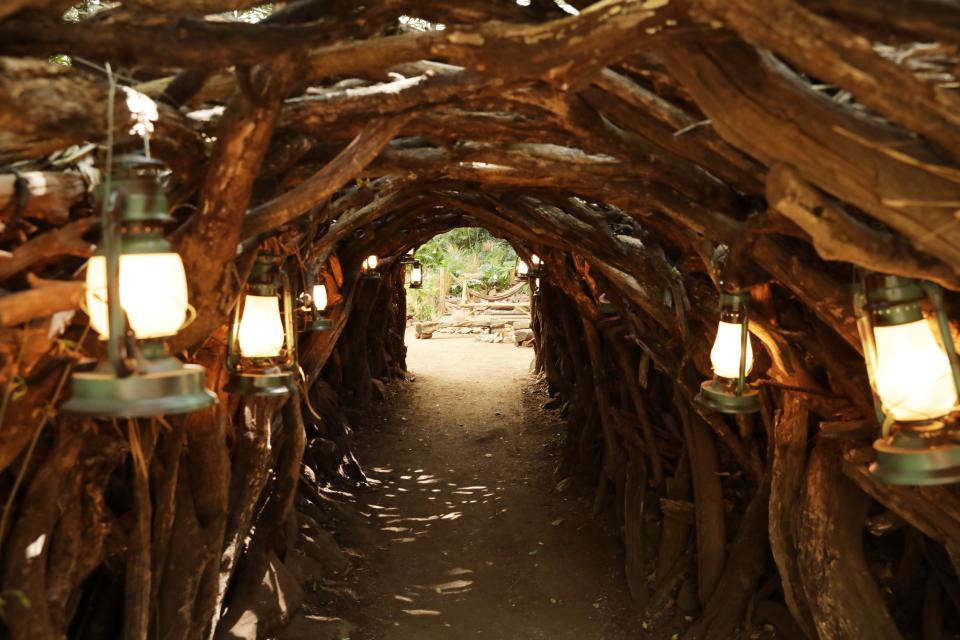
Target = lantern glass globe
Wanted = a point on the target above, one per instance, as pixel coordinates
(912, 371)
(153, 294)
(261, 329)
(416, 275)
(319, 297)
(725, 354)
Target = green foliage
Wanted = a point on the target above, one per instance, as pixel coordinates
(487, 263)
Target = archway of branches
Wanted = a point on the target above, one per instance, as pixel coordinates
(653, 152)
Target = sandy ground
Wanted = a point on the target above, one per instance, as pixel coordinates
(469, 536)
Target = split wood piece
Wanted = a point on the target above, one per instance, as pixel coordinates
(647, 114)
(558, 50)
(68, 108)
(886, 172)
(787, 476)
(837, 235)
(198, 7)
(708, 500)
(634, 523)
(65, 241)
(137, 577)
(844, 599)
(188, 592)
(643, 416)
(934, 511)
(317, 189)
(28, 618)
(167, 456)
(830, 52)
(207, 243)
(48, 195)
(674, 532)
(249, 475)
(46, 298)
(929, 19)
(724, 611)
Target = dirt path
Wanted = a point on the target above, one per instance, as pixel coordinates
(470, 537)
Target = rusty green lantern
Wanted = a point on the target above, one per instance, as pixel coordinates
(136, 298)
(368, 268)
(313, 305)
(416, 275)
(261, 346)
(732, 360)
(915, 377)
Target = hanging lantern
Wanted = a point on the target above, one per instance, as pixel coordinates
(521, 270)
(313, 305)
(368, 268)
(915, 377)
(261, 351)
(732, 360)
(416, 275)
(536, 265)
(136, 296)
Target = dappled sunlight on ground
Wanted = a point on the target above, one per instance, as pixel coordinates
(469, 535)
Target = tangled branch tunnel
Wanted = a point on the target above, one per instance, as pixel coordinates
(788, 169)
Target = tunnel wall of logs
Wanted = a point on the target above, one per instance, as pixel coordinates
(648, 150)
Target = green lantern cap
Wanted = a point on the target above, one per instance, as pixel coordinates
(893, 300)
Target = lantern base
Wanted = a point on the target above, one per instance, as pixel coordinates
(141, 395)
(320, 324)
(717, 396)
(278, 383)
(415, 286)
(917, 458)
(371, 275)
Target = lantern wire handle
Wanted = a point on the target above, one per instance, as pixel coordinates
(744, 337)
(116, 320)
(935, 294)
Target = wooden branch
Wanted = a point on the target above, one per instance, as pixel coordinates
(558, 50)
(48, 195)
(648, 115)
(816, 288)
(930, 19)
(197, 7)
(65, 241)
(164, 41)
(67, 108)
(934, 511)
(844, 598)
(314, 191)
(208, 242)
(787, 475)
(838, 236)
(832, 53)
(326, 107)
(758, 105)
(47, 298)
(744, 568)
(10, 7)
